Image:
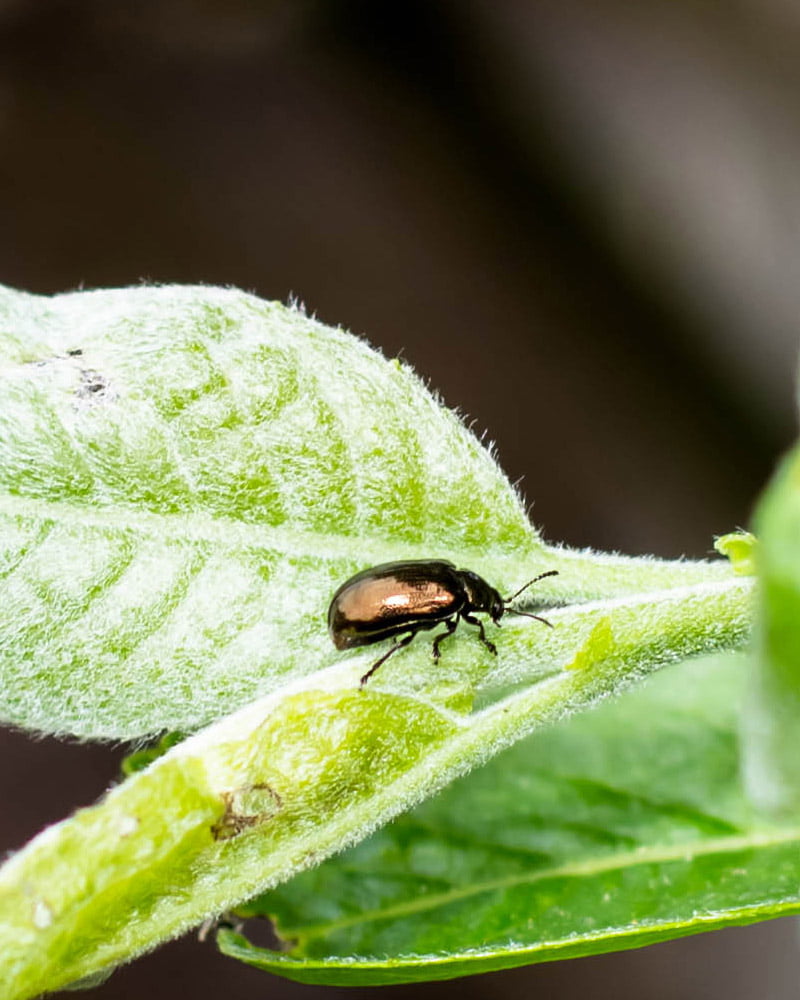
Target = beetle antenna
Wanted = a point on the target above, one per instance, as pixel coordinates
(541, 576)
(527, 614)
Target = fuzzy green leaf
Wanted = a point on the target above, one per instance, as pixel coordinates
(619, 827)
(186, 475)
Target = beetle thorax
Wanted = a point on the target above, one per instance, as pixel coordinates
(480, 595)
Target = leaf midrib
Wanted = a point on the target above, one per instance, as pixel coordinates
(201, 527)
(657, 854)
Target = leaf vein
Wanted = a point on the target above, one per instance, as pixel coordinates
(659, 854)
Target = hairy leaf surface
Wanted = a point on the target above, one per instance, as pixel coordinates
(187, 474)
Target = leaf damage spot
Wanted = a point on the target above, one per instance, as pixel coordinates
(245, 807)
(92, 385)
(70, 372)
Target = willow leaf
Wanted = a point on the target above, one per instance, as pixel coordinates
(186, 474)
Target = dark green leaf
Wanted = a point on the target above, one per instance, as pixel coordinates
(772, 718)
(617, 828)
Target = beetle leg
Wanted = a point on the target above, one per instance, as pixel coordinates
(385, 657)
(451, 627)
(482, 632)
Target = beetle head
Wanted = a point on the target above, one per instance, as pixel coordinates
(497, 608)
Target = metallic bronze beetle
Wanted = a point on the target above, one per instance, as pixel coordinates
(413, 595)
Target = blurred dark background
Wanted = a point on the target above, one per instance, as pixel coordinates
(579, 219)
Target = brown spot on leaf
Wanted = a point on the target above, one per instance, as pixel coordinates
(245, 807)
(92, 384)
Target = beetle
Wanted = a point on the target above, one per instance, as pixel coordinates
(411, 596)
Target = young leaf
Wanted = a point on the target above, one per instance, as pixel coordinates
(741, 548)
(616, 828)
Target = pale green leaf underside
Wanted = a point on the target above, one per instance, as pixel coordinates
(617, 828)
(186, 474)
(179, 500)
